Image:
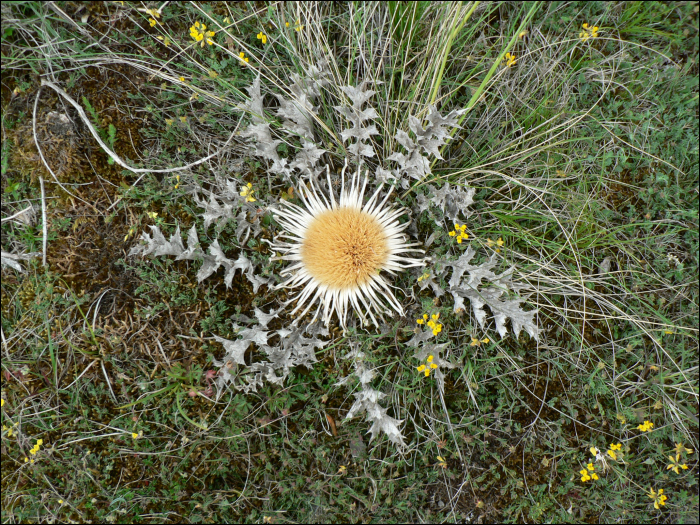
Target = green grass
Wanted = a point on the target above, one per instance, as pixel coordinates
(584, 157)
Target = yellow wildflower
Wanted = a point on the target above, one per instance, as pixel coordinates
(509, 60)
(676, 465)
(262, 36)
(612, 452)
(247, 192)
(428, 366)
(646, 427)
(680, 449)
(497, 243)
(166, 40)
(459, 232)
(152, 21)
(658, 497)
(200, 34)
(588, 32)
(243, 57)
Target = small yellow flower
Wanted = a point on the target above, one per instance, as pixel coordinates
(200, 34)
(424, 276)
(646, 427)
(166, 40)
(441, 462)
(588, 32)
(680, 449)
(286, 24)
(243, 57)
(658, 497)
(613, 448)
(60, 501)
(183, 119)
(584, 475)
(298, 27)
(476, 342)
(153, 12)
(509, 60)
(152, 214)
(247, 192)
(152, 21)
(3, 403)
(169, 122)
(675, 464)
(590, 467)
(262, 36)
(342, 469)
(459, 231)
(134, 435)
(428, 366)
(421, 321)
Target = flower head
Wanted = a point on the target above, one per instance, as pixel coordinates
(200, 34)
(247, 192)
(588, 32)
(676, 465)
(509, 60)
(459, 233)
(646, 427)
(428, 366)
(614, 449)
(586, 475)
(339, 249)
(658, 497)
(680, 449)
(243, 57)
(262, 36)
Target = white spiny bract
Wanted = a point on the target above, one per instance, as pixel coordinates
(295, 345)
(329, 286)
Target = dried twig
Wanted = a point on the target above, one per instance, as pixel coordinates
(43, 220)
(21, 212)
(116, 157)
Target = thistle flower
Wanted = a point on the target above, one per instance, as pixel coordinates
(339, 249)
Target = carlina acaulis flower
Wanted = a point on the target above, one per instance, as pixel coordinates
(339, 250)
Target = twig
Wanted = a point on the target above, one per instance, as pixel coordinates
(114, 156)
(19, 213)
(41, 155)
(43, 219)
